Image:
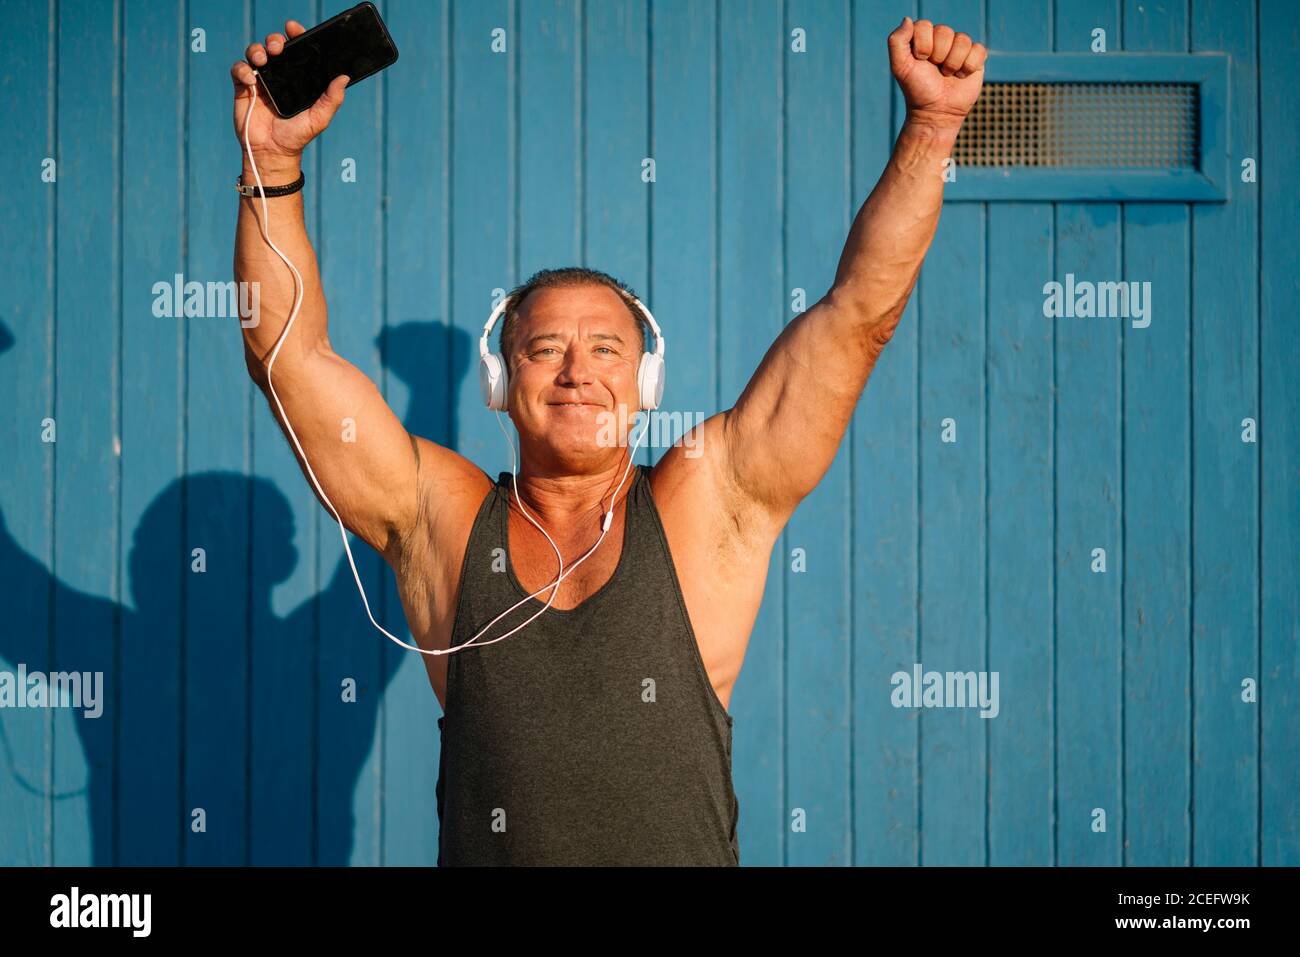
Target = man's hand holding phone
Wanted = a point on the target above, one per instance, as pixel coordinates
(277, 143)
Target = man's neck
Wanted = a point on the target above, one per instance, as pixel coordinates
(561, 500)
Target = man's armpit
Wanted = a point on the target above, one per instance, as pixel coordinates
(399, 541)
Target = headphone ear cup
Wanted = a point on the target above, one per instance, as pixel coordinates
(492, 381)
(650, 381)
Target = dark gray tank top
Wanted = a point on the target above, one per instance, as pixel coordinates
(591, 736)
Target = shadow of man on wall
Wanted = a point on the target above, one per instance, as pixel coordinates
(226, 733)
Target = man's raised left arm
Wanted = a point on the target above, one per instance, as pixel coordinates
(782, 434)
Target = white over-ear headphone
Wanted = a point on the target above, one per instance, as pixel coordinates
(493, 372)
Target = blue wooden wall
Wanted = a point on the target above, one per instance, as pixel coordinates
(1119, 691)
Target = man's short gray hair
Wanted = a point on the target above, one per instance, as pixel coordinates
(566, 277)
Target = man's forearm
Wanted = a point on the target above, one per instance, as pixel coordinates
(255, 261)
(894, 227)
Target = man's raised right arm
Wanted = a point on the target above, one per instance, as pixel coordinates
(363, 457)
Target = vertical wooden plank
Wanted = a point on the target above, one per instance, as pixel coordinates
(483, 148)
(1225, 489)
(27, 300)
(749, 214)
(1279, 283)
(87, 470)
(616, 139)
(952, 541)
(1087, 439)
(683, 233)
(1020, 382)
(216, 498)
(352, 247)
(817, 220)
(550, 137)
(419, 379)
(886, 760)
(1157, 504)
(152, 550)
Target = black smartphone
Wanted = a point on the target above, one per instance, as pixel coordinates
(355, 43)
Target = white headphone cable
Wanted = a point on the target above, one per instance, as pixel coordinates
(270, 363)
(605, 524)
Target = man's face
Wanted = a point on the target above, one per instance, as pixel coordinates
(574, 356)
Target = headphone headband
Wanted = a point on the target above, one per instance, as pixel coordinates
(484, 350)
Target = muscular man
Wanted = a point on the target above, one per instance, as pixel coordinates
(599, 732)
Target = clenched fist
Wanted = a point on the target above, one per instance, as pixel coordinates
(939, 71)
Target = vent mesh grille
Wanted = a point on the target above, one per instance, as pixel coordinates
(1116, 125)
